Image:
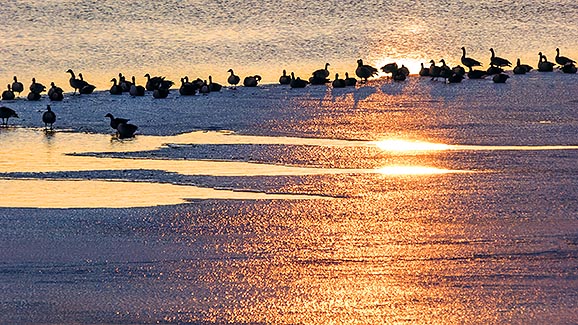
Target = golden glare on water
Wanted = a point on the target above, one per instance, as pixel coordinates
(415, 170)
(400, 145)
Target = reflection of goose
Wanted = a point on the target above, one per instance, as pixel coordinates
(233, 79)
(469, 62)
(297, 82)
(285, 79)
(126, 130)
(562, 60)
(115, 121)
(8, 94)
(498, 61)
(48, 117)
(17, 86)
(365, 71)
(6, 113)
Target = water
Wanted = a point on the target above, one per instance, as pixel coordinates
(414, 202)
(199, 38)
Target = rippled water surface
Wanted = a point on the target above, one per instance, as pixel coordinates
(44, 38)
(416, 202)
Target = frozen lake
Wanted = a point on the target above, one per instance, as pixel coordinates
(412, 202)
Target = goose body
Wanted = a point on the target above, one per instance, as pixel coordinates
(251, 81)
(204, 88)
(364, 71)
(498, 61)
(469, 62)
(455, 78)
(494, 70)
(213, 86)
(338, 82)
(544, 65)
(399, 76)
(123, 83)
(434, 70)
(445, 70)
(48, 117)
(321, 73)
(6, 113)
(285, 79)
(115, 121)
(161, 93)
(562, 60)
(87, 89)
(500, 78)
(136, 90)
(349, 81)
(403, 69)
(187, 88)
(233, 79)
(521, 68)
(32, 96)
(476, 74)
(55, 93)
(424, 72)
(126, 130)
(17, 86)
(37, 87)
(157, 82)
(8, 94)
(115, 89)
(297, 82)
(568, 68)
(390, 68)
(459, 70)
(75, 83)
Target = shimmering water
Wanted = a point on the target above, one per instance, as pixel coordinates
(44, 38)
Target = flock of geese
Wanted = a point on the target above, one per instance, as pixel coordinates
(160, 86)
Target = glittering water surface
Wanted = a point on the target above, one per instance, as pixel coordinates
(414, 202)
(175, 38)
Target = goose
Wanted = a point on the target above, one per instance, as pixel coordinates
(213, 86)
(161, 93)
(321, 73)
(115, 121)
(17, 86)
(520, 69)
(544, 65)
(285, 79)
(251, 81)
(476, 74)
(568, 68)
(126, 130)
(36, 87)
(233, 79)
(123, 83)
(318, 81)
(153, 83)
(48, 117)
(445, 71)
(350, 81)
(115, 89)
(187, 89)
(434, 71)
(497, 61)
(399, 75)
(87, 89)
(424, 72)
(136, 90)
(469, 62)
(204, 89)
(33, 96)
(55, 93)
(494, 70)
(77, 84)
(6, 113)
(459, 70)
(338, 83)
(404, 70)
(390, 68)
(297, 82)
(500, 78)
(562, 60)
(455, 78)
(8, 94)
(364, 71)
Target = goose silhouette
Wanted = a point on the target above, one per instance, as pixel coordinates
(297, 82)
(562, 60)
(115, 89)
(48, 117)
(498, 61)
(8, 94)
(233, 79)
(364, 71)
(17, 86)
(115, 121)
(213, 86)
(321, 73)
(126, 130)
(423, 72)
(285, 79)
(136, 90)
(469, 62)
(337, 82)
(251, 81)
(75, 83)
(349, 81)
(55, 93)
(6, 113)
